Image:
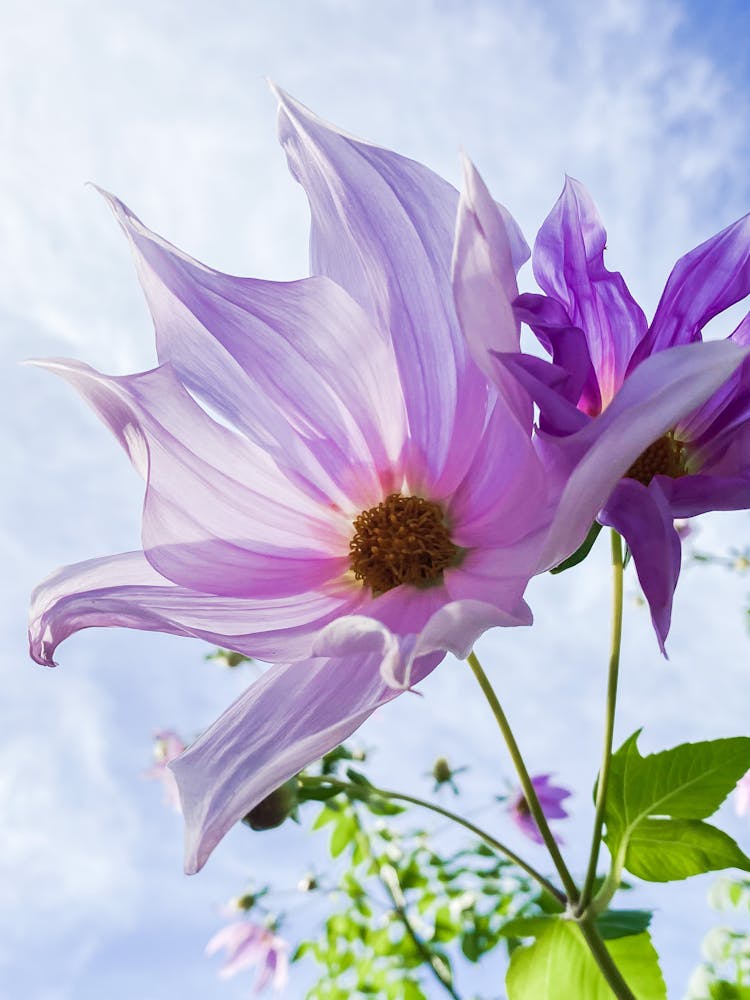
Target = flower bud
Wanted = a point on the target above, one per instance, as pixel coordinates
(275, 808)
(441, 771)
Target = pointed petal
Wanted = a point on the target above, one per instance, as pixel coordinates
(642, 515)
(566, 343)
(551, 387)
(702, 284)
(699, 494)
(569, 266)
(296, 365)
(293, 715)
(653, 399)
(382, 228)
(484, 285)
(218, 515)
(125, 591)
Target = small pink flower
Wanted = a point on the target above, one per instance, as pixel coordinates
(167, 747)
(742, 796)
(248, 944)
(550, 798)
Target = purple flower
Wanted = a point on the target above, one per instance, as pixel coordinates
(607, 364)
(742, 796)
(363, 499)
(167, 747)
(550, 798)
(249, 944)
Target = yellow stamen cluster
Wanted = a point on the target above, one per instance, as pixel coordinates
(402, 540)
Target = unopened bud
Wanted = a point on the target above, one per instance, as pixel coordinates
(441, 771)
(246, 902)
(275, 808)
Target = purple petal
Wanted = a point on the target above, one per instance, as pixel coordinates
(713, 426)
(702, 284)
(454, 627)
(491, 505)
(527, 825)
(382, 228)
(484, 285)
(218, 515)
(569, 265)
(660, 391)
(644, 518)
(499, 575)
(568, 346)
(297, 366)
(551, 387)
(125, 591)
(691, 495)
(293, 715)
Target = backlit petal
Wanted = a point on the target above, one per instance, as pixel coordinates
(291, 716)
(569, 265)
(126, 591)
(644, 518)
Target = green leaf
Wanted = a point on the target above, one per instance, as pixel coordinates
(559, 966)
(527, 927)
(663, 850)
(357, 778)
(326, 815)
(622, 923)
(687, 783)
(343, 833)
(582, 551)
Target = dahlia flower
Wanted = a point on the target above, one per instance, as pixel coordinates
(551, 798)
(249, 944)
(332, 481)
(604, 353)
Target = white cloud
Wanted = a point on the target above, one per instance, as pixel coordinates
(163, 102)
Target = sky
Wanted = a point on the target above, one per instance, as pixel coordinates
(165, 104)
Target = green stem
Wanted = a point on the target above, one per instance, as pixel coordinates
(609, 727)
(604, 960)
(523, 774)
(429, 957)
(309, 779)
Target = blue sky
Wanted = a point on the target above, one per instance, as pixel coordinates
(164, 103)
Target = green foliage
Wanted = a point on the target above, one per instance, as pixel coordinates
(725, 975)
(559, 966)
(656, 803)
(622, 923)
(403, 909)
(664, 850)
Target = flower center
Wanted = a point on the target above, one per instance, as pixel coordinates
(402, 540)
(663, 457)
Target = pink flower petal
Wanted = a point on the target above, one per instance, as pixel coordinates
(296, 365)
(218, 516)
(291, 716)
(382, 228)
(126, 591)
(484, 284)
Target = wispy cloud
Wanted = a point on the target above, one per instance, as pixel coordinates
(164, 103)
